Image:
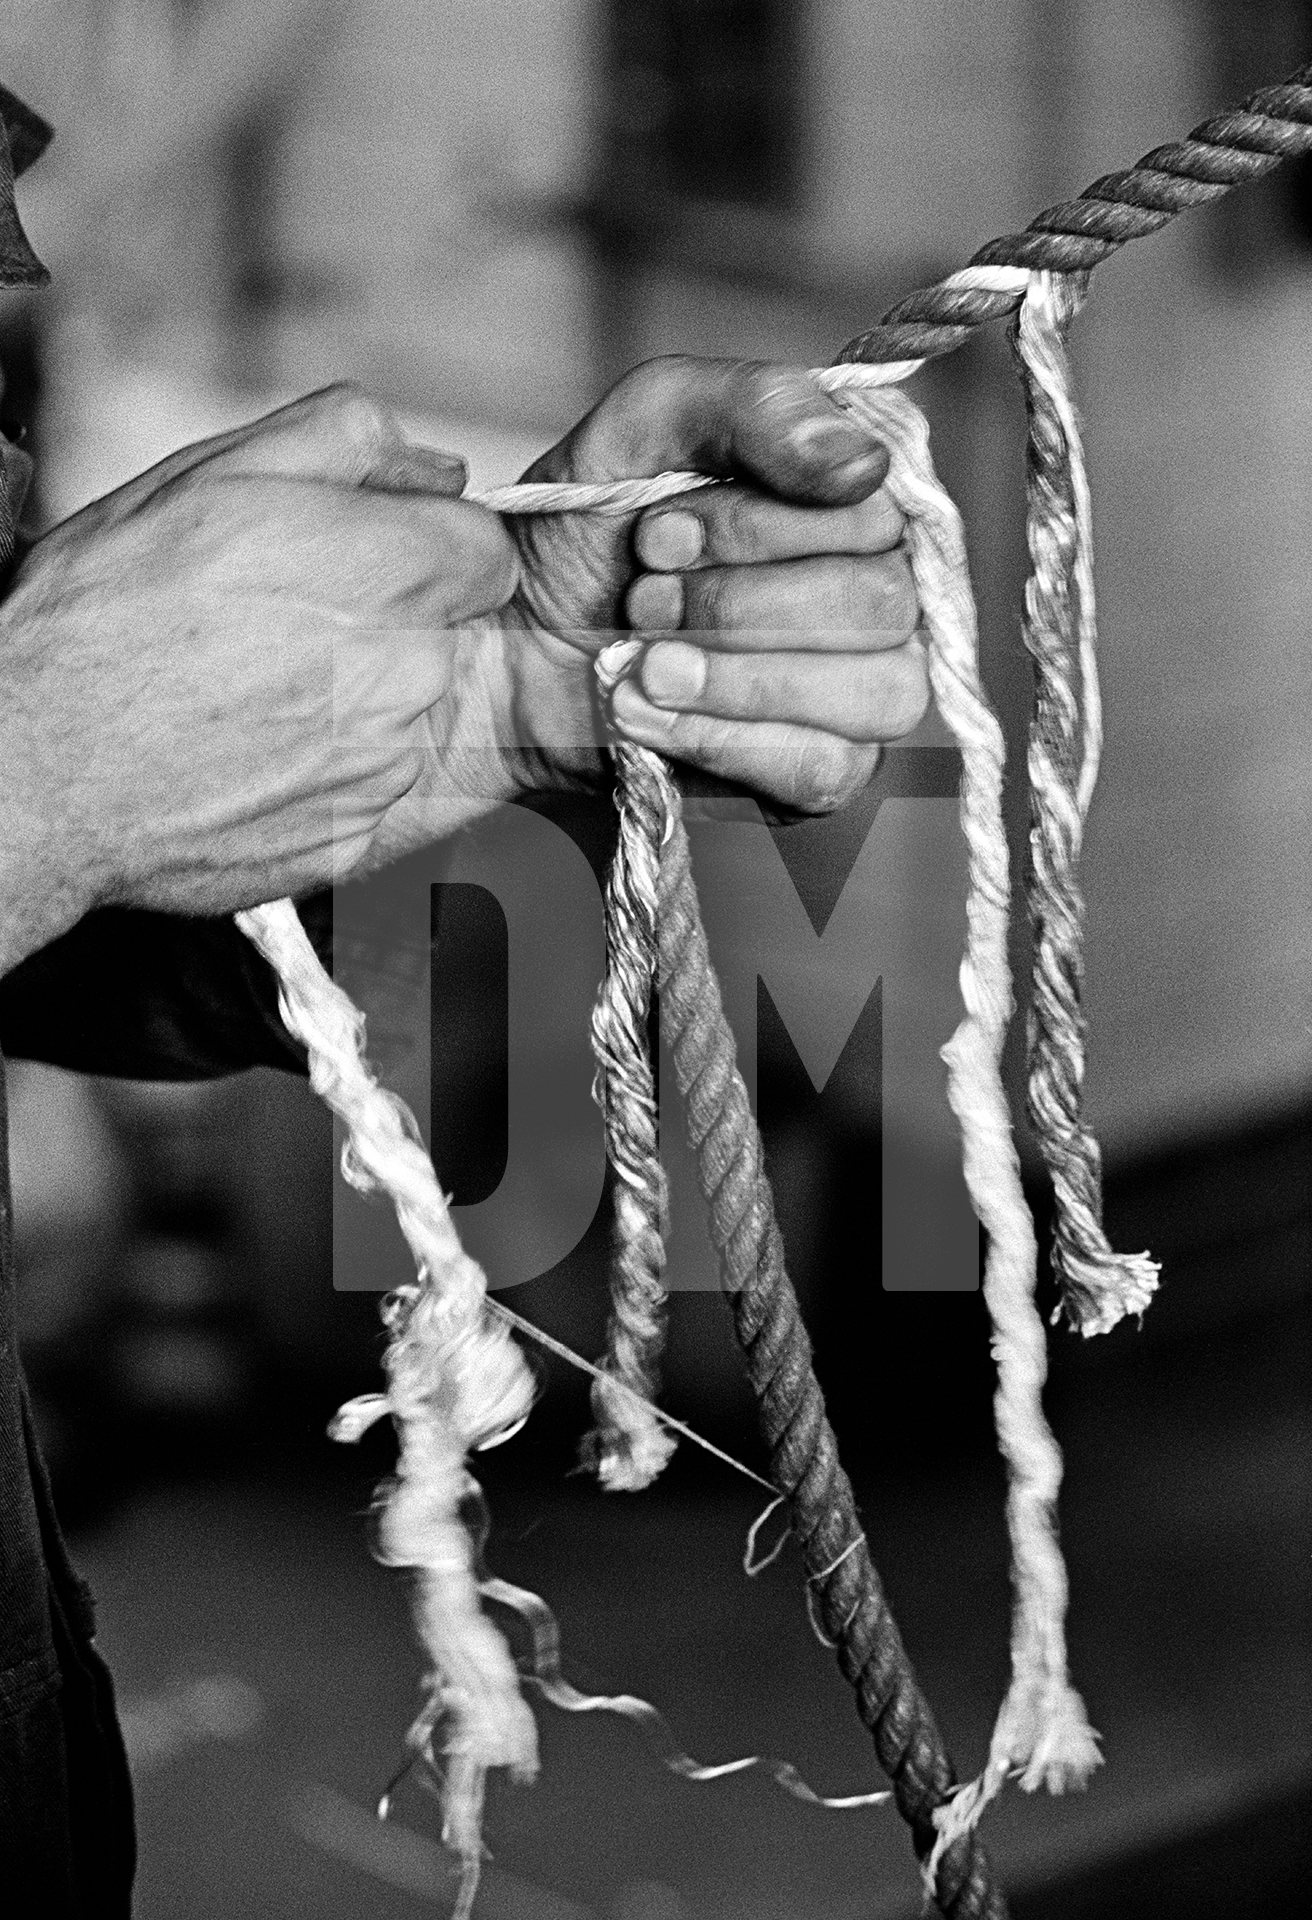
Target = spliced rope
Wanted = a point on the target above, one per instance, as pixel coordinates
(453, 1387)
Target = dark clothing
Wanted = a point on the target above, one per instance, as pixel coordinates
(137, 995)
(132, 994)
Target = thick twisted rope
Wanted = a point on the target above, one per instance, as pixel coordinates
(846, 1595)
(1250, 140)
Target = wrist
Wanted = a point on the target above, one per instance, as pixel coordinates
(36, 906)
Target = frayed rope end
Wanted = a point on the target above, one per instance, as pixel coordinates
(1042, 1738)
(631, 1446)
(1099, 1290)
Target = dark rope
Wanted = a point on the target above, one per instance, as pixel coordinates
(848, 1599)
(1251, 140)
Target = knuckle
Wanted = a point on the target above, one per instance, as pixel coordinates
(359, 418)
(495, 563)
(898, 604)
(709, 603)
(734, 525)
(911, 691)
(880, 522)
(653, 384)
(857, 594)
(701, 740)
(839, 769)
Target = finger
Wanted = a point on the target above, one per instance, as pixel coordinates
(397, 559)
(736, 418)
(340, 433)
(799, 766)
(845, 600)
(864, 697)
(438, 562)
(741, 526)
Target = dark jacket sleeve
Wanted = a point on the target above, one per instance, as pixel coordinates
(153, 996)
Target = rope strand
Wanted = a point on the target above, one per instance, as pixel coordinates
(1099, 1286)
(629, 1447)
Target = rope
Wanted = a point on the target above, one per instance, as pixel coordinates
(1042, 1731)
(457, 1382)
(1098, 1286)
(845, 1589)
(629, 1447)
(1249, 141)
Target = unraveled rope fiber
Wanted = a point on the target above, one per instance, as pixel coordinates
(455, 1379)
(456, 1382)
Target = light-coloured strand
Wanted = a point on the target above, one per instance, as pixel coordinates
(1099, 1286)
(629, 1447)
(545, 1672)
(456, 1381)
(1041, 1730)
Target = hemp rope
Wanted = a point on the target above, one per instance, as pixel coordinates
(629, 1448)
(1098, 1285)
(453, 1384)
(1041, 1729)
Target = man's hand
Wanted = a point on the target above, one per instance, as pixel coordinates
(292, 653)
(779, 610)
(216, 684)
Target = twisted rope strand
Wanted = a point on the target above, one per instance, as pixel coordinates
(1098, 1285)
(1226, 151)
(1272, 125)
(630, 1446)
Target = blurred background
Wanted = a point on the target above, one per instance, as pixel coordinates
(486, 210)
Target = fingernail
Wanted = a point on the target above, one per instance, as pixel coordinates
(871, 461)
(670, 540)
(838, 443)
(655, 603)
(440, 456)
(673, 673)
(412, 468)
